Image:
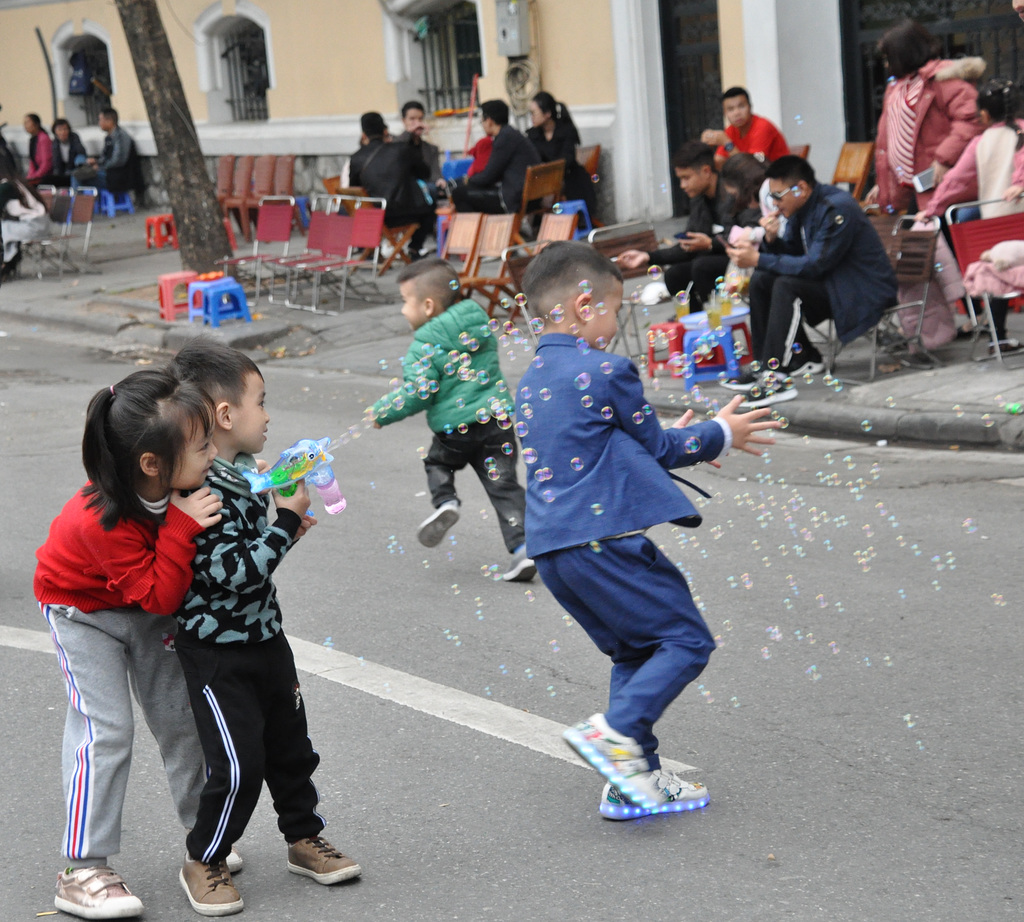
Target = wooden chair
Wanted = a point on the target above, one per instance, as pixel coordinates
(495, 237)
(331, 184)
(241, 185)
(589, 158)
(462, 239)
(557, 227)
(800, 150)
(854, 166)
(614, 239)
(542, 180)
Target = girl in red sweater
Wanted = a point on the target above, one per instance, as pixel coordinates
(117, 562)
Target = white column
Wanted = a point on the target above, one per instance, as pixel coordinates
(641, 155)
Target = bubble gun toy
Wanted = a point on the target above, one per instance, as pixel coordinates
(307, 458)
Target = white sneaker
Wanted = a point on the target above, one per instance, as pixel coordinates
(523, 569)
(619, 758)
(433, 529)
(808, 368)
(769, 398)
(234, 861)
(676, 796)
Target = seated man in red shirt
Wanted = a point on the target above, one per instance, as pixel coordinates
(744, 132)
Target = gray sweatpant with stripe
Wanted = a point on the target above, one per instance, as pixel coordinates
(106, 657)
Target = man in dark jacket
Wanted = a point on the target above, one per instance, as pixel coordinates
(392, 170)
(498, 187)
(699, 257)
(118, 168)
(829, 264)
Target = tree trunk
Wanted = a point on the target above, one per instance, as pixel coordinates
(193, 194)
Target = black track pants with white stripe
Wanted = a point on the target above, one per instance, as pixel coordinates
(778, 304)
(252, 726)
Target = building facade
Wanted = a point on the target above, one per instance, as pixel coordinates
(639, 76)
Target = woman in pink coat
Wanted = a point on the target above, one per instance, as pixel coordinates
(929, 115)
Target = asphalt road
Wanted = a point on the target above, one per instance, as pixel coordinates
(858, 728)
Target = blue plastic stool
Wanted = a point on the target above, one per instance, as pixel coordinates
(578, 207)
(723, 356)
(219, 299)
(455, 169)
(302, 203)
(112, 202)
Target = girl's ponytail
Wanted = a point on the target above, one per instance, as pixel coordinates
(150, 411)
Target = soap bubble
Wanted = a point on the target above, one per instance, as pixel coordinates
(597, 509)
(557, 314)
(582, 381)
(576, 464)
(866, 425)
(606, 368)
(454, 284)
(586, 287)
(530, 455)
(607, 412)
(692, 445)
(655, 273)
(586, 400)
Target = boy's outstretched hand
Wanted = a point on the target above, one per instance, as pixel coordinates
(746, 426)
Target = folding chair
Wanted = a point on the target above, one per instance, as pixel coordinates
(496, 235)
(336, 247)
(610, 241)
(316, 240)
(461, 241)
(364, 240)
(273, 225)
(241, 185)
(82, 210)
(800, 150)
(542, 180)
(397, 237)
(854, 166)
(284, 184)
(590, 159)
(971, 239)
(51, 250)
(561, 225)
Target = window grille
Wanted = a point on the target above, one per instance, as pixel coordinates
(245, 64)
(451, 56)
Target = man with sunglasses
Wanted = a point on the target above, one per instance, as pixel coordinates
(828, 264)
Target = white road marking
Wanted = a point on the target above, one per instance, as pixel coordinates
(458, 707)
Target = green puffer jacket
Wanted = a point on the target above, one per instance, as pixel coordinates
(452, 371)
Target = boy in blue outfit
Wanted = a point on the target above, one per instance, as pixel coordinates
(452, 371)
(599, 465)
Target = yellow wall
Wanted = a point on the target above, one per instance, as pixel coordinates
(730, 41)
(571, 44)
(328, 56)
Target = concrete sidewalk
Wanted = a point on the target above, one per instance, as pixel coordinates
(961, 404)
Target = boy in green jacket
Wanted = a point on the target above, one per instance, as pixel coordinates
(452, 371)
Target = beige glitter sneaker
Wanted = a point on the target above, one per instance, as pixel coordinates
(95, 893)
(209, 887)
(318, 859)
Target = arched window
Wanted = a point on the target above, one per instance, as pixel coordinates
(235, 68)
(83, 72)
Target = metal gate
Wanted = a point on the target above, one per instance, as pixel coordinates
(985, 28)
(693, 79)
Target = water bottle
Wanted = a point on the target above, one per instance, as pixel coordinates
(326, 485)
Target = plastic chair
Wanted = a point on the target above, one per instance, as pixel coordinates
(112, 202)
(577, 207)
(455, 169)
(241, 183)
(160, 231)
(217, 300)
(723, 356)
(170, 306)
(970, 239)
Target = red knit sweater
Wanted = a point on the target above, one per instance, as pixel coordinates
(135, 564)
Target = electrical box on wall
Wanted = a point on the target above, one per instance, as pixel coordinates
(513, 28)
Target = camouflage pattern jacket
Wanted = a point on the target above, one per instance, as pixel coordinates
(232, 598)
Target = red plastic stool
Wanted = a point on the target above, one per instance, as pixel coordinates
(170, 307)
(160, 231)
(660, 337)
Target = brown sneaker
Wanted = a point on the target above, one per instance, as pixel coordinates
(95, 893)
(209, 888)
(317, 858)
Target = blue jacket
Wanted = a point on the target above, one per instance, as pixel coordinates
(596, 457)
(832, 241)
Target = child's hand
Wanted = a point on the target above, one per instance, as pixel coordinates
(308, 521)
(376, 425)
(745, 426)
(203, 505)
(298, 502)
